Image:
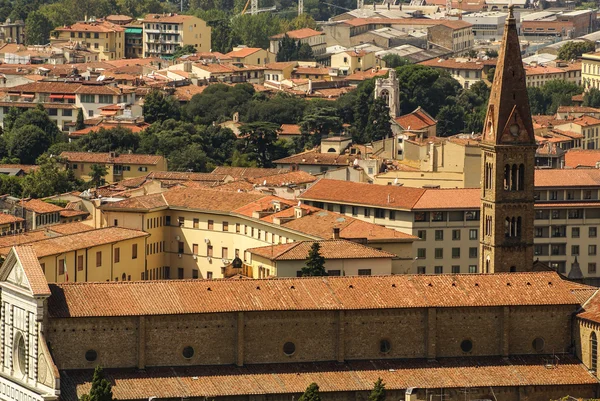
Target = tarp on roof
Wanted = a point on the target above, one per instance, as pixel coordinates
(133, 30)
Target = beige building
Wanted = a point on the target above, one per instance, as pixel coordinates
(349, 62)
(466, 71)
(102, 37)
(197, 233)
(251, 55)
(164, 33)
(590, 70)
(587, 126)
(539, 75)
(342, 258)
(118, 166)
(315, 39)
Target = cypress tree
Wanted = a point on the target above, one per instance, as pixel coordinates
(378, 392)
(311, 393)
(315, 263)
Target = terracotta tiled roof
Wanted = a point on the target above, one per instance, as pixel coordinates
(101, 26)
(236, 186)
(248, 172)
(81, 240)
(70, 228)
(576, 157)
(289, 129)
(9, 218)
(577, 109)
(185, 93)
(454, 64)
(172, 18)
(290, 177)
(243, 52)
(311, 71)
(330, 249)
(105, 158)
(541, 70)
(147, 202)
(417, 120)
(136, 298)
(388, 196)
(24, 238)
(64, 88)
(440, 199)
(27, 168)
(567, 177)
(299, 34)
(280, 65)
(33, 271)
(367, 74)
(73, 213)
(314, 157)
(350, 376)
(39, 206)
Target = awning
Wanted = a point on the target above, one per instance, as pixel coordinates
(56, 96)
(69, 97)
(27, 95)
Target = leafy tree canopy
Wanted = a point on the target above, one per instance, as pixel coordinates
(574, 50)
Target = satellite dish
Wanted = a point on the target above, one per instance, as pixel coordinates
(355, 162)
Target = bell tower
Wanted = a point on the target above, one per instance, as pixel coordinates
(508, 160)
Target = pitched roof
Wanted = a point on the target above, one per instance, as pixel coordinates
(299, 34)
(287, 178)
(442, 199)
(417, 120)
(172, 18)
(579, 157)
(70, 228)
(289, 129)
(33, 271)
(330, 249)
(577, 109)
(248, 172)
(137, 298)
(98, 26)
(350, 376)
(455, 64)
(586, 121)
(80, 240)
(39, 206)
(314, 157)
(243, 52)
(388, 196)
(6, 218)
(106, 158)
(567, 177)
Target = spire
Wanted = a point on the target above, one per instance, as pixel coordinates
(508, 119)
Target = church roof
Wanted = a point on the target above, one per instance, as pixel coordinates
(138, 298)
(509, 104)
(293, 378)
(33, 271)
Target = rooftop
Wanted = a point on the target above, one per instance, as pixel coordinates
(582, 158)
(330, 249)
(107, 158)
(419, 119)
(299, 34)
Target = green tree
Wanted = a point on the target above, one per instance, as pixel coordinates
(182, 51)
(379, 126)
(27, 143)
(378, 392)
(159, 106)
(259, 139)
(574, 50)
(101, 389)
(97, 174)
(472, 53)
(592, 98)
(491, 53)
(79, 124)
(450, 120)
(37, 29)
(116, 139)
(218, 102)
(315, 263)
(49, 179)
(393, 60)
(254, 30)
(288, 49)
(11, 117)
(219, 21)
(311, 393)
(305, 52)
(320, 121)
(490, 74)
(191, 158)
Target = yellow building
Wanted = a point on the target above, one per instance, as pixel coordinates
(102, 37)
(119, 167)
(590, 70)
(342, 258)
(197, 233)
(105, 254)
(351, 61)
(164, 33)
(251, 55)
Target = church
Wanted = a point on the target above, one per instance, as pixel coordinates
(507, 333)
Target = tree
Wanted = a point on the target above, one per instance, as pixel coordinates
(79, 124)
(490, 74)
(574, 50)
(305, 52)
(450, 120)
(27, 143)
(393, 60)
(49, 179)
(37, 29)
(158, 106)
(315, 263)
(592, 98)
(378, 392)
(260, 138)
(191, 158)
(472, 53)
(379, 125)
(320, 121)
(311, 393)
(288, 49)
(254, 30)
(97, 174)
(218, 102)
(182, 51)
(117, 139)
(491, 53)
(101, 389)
(11, 117)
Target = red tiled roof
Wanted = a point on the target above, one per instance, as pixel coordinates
(33, 270)
(100, 26)
(415, 121)
(330, 249)
(441, 199)
(172, 18)
(577, 109)
(577, 157)
(290, 129)
(106, 158)
(290, 177)
(70, 228)
(248, 172)
(314, 157)
(137, 298)
(276, 380)
(299, 34)
(388, 196)
(243, 52)
(567, 177)
(39, 206)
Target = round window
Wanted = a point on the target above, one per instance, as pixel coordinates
(289, 348)
(466, 345)
(384, 346)
(21, 354)
(188, 352)
(538, 344)
(91, 355)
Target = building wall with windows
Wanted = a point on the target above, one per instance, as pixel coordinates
(164, 33)
(102, 37)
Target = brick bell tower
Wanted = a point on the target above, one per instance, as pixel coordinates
(508, 160)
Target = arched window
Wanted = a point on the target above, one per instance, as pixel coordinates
(331, 150)
(385, 95)
(20, 359)
(513, 178)
(593, 352)
(513, 227)
(123, 277)
(521, 177)
(518, 230)
(506, 177)
(507, 227)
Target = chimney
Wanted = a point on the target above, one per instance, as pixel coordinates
(336, 233)
(299, 212)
